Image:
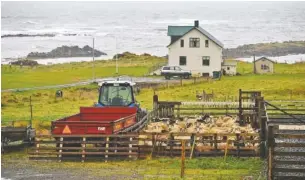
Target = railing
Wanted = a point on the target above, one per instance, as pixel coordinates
(246, 111)
(285, 137)
(286, 152)
(142, 145)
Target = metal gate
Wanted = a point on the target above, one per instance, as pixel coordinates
(285, 142)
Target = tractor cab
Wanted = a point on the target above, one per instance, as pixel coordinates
(116, 93)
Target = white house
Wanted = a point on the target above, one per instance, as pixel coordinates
(193, 48)
(229, 67)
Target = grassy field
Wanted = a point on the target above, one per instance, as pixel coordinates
(287, 83)
(278, 86)
(215, 168)
(279, 68)
(16, 77)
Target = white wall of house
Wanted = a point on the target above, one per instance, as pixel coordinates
(230, 69)
(194, 55)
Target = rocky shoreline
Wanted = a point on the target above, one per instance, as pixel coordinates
(66, 51)
(266, 49)
(35, 35)
(275, 49)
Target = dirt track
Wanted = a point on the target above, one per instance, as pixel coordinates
(20, 168)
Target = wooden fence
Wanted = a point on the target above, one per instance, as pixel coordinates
(166, 84)
(286, 152)
(283, 129)
(142, 145)
(247, 108)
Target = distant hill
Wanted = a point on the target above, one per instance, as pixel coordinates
(266, 49)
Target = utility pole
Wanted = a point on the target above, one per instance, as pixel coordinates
(93, 70)
(116, 56)
(254, 67)
(31, 110)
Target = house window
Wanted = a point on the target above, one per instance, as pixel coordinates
(205, 60)
(182, 60)
(195, 42)
(206, 43)
(264, 67)
(181, 43)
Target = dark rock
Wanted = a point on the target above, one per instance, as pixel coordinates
(25, 62)
(27, 35)
(145, 54)
(124, 55)
(266, 49)
(67, 51)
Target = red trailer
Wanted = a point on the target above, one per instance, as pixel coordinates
(96, 120)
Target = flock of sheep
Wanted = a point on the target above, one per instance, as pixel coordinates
(209, 124)
(203, 125)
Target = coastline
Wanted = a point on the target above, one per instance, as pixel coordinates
(290, 59)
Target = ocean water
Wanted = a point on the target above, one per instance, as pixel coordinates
(142, 26)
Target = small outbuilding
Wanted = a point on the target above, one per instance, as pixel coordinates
(229, 67)
(263, 65)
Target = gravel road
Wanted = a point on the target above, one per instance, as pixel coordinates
(134, 79)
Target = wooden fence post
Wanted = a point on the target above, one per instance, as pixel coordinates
(262, 122)
(155, 105)
(180, 81)
(238, 144)
(215, 141)
(193, 143)
(130, 147)
(171, 144)
(240, 111)
(106, 149)
(182, 158)
(271, 142)
(83, 149)
(60, 149)
(153, 144)
(178, 111)
(37, 145)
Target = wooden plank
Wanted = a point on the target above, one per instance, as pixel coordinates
(87, 142)
(289, 144)
(99, 135)
(276, 153)
(201, 134)
(289, 177)
(86, 153)
(286, 169)
(87, 159)
(215, 108)
(86, 148)
(290, 136)
(289, 162)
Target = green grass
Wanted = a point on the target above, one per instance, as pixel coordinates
(16, 77)
(279, 68)
(162, 168)
(278, 86)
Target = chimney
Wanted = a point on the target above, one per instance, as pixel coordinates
(196, 23)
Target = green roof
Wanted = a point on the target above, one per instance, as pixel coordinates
(178, 30)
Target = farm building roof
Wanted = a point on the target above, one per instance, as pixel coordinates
(264, 58)
(229, 63)
(178, 30)
(182, 30)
